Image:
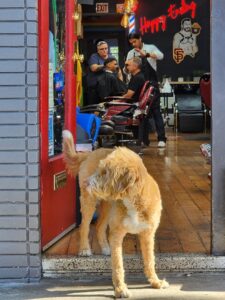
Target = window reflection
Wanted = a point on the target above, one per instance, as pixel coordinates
(56, 75)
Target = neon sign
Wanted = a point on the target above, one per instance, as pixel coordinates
(173, 12)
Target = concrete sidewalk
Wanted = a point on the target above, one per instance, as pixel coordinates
(197, 286)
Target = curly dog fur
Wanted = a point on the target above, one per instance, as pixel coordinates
(130, 202)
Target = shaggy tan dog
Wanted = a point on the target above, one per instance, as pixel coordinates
(132, 204)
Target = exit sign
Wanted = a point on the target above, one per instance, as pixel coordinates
(102, 8)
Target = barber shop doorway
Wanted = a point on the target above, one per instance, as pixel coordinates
(180, 168)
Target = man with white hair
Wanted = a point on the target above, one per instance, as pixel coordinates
(96, 68)
(137, 80)
(133, 67)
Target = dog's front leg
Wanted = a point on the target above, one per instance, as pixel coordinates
(116, 241)
(147, 247)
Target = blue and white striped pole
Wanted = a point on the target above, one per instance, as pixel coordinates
(132, 23)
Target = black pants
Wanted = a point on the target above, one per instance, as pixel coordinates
(92, 96)
(144, 128)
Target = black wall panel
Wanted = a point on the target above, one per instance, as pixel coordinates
(152, 9)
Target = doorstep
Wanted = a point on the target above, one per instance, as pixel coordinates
(79, 267)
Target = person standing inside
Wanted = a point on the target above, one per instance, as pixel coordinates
(149, 55)
(95, 69)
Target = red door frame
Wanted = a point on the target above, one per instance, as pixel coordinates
(57, 207)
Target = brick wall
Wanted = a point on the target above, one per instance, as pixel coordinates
(19, 142)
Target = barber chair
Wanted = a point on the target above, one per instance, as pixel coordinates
(127, 116)
(120, 120)
(125, 122)
(190, 113)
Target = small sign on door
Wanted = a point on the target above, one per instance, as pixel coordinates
(102, 8)
(59, 180)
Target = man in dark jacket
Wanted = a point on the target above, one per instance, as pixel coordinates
(110, 82)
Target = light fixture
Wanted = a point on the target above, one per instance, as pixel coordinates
(130, 7)
(124, 21)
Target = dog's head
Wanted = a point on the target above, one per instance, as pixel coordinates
(120, 175)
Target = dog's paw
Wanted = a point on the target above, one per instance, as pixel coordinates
(159, 284)
(85, 252)
(106, 251)
(122, 292)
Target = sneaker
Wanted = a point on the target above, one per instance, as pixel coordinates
(206, 150)
(161, 144)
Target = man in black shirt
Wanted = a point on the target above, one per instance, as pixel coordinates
(133, 67)
(137, 80)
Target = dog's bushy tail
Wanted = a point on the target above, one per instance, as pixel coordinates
(72, 158)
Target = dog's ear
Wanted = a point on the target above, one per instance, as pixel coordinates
(126, 180)
(122, 170)
(119, 179)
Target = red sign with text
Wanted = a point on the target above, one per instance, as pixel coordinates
(160, 23)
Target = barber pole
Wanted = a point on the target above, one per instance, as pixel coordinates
(132, 24)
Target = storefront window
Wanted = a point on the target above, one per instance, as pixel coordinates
(56, 75)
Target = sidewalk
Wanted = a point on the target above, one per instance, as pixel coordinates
(196, 286)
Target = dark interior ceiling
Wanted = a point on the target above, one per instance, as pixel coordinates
(103, 19)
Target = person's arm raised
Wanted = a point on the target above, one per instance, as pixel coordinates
(96, 68)
(155, 53)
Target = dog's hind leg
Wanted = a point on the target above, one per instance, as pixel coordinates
(116, 240)
(147, 247)
(101, 227)
(87, 211)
